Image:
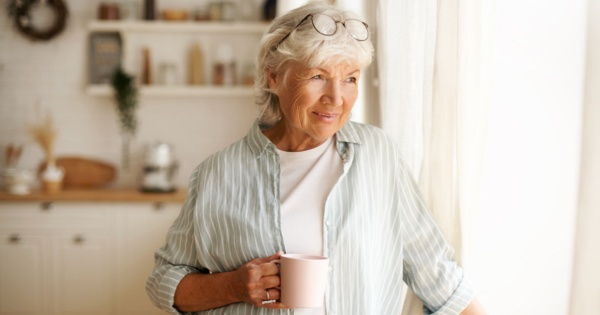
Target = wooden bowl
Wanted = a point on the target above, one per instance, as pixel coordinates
(174, 15)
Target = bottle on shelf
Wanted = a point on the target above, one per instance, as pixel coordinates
(146, 67)
(149, 10)
(196, 65)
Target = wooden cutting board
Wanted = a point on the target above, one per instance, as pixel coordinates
(82, 172)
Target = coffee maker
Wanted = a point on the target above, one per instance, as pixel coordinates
(160, 168)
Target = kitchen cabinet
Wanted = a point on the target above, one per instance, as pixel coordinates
(83, 271)
(79, 257)
(170, 41)
(22, 273)
(141, 229)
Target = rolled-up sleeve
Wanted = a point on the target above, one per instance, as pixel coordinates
(458, 301)
(176, 259)
(429, 268)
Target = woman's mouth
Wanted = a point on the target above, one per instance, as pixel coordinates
(325, 115)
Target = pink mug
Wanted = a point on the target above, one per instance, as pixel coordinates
(303, 279)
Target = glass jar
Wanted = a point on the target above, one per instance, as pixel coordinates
(167, 73)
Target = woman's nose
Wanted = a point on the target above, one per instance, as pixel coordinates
(333, 94)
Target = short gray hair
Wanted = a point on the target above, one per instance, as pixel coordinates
(306, 46)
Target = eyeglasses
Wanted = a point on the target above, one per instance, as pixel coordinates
(327, 26)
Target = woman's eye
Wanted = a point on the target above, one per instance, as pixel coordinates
(351, 80)
(317, 77)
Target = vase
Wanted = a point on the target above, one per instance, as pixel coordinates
(52, 178)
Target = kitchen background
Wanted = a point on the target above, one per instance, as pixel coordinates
(529, 201)
(53, 76)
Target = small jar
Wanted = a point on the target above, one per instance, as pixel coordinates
(108, 11)
(168, 73)
(214, 11)
(228, 11)
(201, 14)
(130, 11)
(224, 70)
(248, 74)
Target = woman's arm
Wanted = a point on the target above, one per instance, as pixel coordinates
(198, 292)
(474, 308)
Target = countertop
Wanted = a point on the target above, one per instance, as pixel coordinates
(96, 195)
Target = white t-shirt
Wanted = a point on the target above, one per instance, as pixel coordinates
(307, 178)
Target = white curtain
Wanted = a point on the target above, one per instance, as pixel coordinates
(585, 291)
(405, 43)
(434, 62)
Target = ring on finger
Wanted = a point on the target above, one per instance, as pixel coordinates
(268, 300)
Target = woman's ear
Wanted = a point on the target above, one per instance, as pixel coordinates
(272, 77)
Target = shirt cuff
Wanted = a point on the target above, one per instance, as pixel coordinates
(168, 286)
(460, 299)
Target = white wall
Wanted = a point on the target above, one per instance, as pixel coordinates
(529, 193)
(54, 74)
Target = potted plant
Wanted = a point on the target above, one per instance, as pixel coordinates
(125, 95)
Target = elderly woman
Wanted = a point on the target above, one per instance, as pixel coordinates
(307, 180)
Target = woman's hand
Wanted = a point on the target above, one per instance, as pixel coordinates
(249, 284)
(257, 282)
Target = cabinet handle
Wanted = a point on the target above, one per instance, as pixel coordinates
(79, 239)
(158, 206)
(47, 206)
(15, 238)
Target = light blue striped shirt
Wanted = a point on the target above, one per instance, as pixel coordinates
(377, 231)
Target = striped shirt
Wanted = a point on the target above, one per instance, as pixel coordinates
(377, 231)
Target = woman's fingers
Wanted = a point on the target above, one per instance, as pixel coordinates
(268, 282)
(258, 277)
(269, 269)
(267, 259)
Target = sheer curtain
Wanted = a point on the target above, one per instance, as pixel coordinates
(434, 61)
(586, 277)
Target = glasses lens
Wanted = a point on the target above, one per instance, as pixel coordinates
(357, 29)
(324, 24)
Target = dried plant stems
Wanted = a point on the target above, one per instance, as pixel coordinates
(44, 133)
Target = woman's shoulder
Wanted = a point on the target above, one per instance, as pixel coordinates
(228, 155)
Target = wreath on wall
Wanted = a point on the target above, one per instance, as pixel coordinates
(20, 10)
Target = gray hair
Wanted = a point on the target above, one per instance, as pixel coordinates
(304, 45)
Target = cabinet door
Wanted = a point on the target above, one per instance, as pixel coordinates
(21, 273)
(83, 272)
(141, 229)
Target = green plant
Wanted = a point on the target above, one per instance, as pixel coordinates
(125, 94)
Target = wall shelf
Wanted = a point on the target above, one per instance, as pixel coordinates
(183, 91)
(135, 34)
(178, 27)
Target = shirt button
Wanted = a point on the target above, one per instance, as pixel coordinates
(327, 223)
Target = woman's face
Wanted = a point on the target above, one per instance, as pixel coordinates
(315, 102)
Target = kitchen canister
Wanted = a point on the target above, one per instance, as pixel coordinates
(224, 70)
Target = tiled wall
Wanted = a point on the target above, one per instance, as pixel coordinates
(53, 75)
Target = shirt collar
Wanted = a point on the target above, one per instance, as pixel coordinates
(259, 143)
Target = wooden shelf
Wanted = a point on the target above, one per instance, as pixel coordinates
(199, 91)
(97, 195)
(179, 27)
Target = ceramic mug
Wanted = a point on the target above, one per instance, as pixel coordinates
(303, 279)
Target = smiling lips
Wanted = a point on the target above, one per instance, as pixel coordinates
(325, 115)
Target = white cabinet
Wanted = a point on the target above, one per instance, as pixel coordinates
(22, 271)
(141, 229)
(170, 42)
(83, 271)
(79, 258)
